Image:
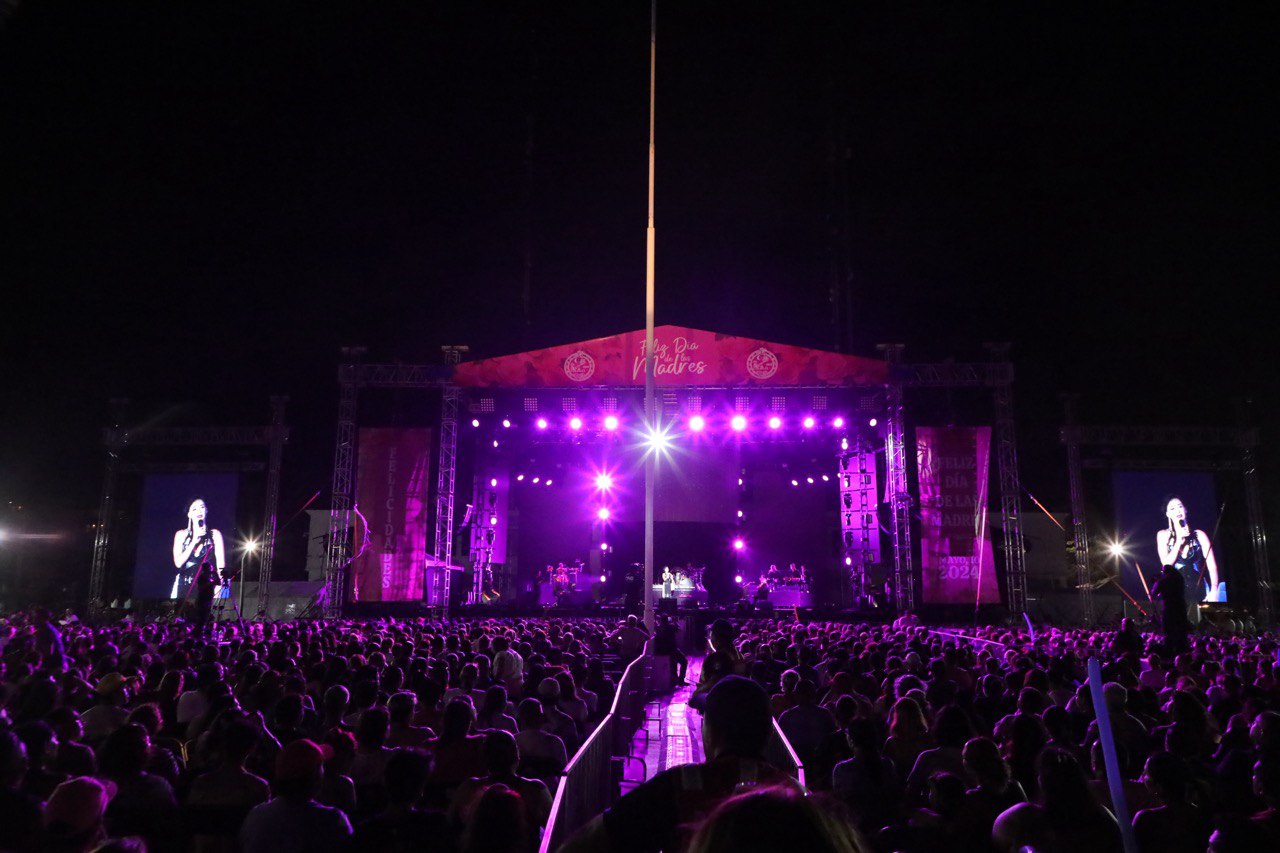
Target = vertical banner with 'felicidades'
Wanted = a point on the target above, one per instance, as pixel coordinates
(957, 564)
(391, 498)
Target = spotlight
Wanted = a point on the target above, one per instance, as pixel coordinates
(738, 544)
(493, 520)
(575, 423)
(604, 579)
(657, 439)
(536, 480)
(826, 479)
(697, 423)
(737, 578)
(475, 422)
(848, 561)
(1116, 549)
(611, 422)
(872, 422)
(519, 478)
(495, 442)
(506, 423)
(838, 423)
(604, 482)
(603, 513)
(810, 480)
(809, 422)
(493, 482)
(251, 546)
(548, 481)
(739, 481)
(739, 513)
(739, 423)
(844, 444)
(604, 546)
(541, 423)
(775, 422)
(795, 482)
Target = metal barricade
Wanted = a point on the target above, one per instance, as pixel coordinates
(778, 752)
(588, 786)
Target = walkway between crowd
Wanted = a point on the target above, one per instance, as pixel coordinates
(671, 735)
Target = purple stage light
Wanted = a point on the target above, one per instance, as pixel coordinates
(575, 423)
(795, 482)
(739, 513)
(604, 546)
(697, 423)
(738, 544)
(493, 519)
(657, 439)
(506, 423)
(519, 478)
(848, 561)
(738, 423)
(810, 479)
(737, 578)
(604, 482)
(603, 513)
(611, 422)
(536, 480)
(541, 423)
(604, 579)
(475, 422)
(548, 481)
(844, 444)
(838, 423)
(809, 422)
(826, 479)
(775, 422)
(495, 442)
(872, 422)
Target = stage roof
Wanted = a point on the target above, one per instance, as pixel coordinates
(685, 358)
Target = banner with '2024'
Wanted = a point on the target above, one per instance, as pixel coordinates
(957, 564)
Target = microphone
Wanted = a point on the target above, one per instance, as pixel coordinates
(1183, 523)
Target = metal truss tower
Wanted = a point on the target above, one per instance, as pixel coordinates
(275, 454)
(445, 481)
(904, 591)
(338, 558)
(1015, 565)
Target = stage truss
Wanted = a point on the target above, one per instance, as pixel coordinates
(1242, 440)
(118, 442)
(996, 374)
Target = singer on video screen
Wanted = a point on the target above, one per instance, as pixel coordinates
(198, 555)
(1190, 553)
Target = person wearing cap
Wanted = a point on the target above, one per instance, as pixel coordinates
(293, 820)
(109, 712)
(74, 816)
(656, 815)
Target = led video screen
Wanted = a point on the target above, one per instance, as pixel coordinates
(187, 525)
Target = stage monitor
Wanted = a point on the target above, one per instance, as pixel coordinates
(1167, 518)
(183, 518)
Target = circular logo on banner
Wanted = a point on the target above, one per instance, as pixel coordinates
(762, 364)
(579, 367)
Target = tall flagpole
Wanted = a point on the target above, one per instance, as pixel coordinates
(650, 409)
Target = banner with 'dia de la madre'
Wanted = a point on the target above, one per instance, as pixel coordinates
(391, 496)
(957, 563)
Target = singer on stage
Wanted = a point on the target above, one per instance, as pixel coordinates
(1190, 553)
(199, 557)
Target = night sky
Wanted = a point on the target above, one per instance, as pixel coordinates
(201, 202)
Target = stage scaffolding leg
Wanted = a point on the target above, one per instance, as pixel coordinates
(1079, 530)
(1257, 525)
(1001, 375)
(899, 494)
(446, 481)
(279, 435)
(338, 559)
(102, 535)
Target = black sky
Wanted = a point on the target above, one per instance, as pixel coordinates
(201, 202)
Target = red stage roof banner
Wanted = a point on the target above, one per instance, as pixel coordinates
(685, 357)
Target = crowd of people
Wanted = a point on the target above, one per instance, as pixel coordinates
(427, 735)
(309, 735)
(920, 739)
